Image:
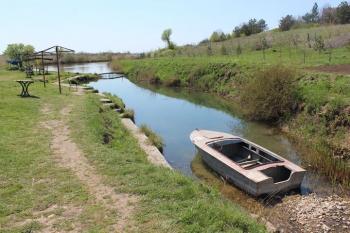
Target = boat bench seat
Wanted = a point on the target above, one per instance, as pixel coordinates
(249, 163)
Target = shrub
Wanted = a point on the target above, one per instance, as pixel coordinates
(149, 77)
(270, 94)
(174, 82)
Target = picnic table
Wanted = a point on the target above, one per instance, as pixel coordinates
(25, 84)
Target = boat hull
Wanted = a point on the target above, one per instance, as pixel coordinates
(257, 171)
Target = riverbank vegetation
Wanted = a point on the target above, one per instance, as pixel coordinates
(37, 189)
(154, 138)
(282, 84)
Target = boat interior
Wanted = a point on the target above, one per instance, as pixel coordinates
(249, 156)
(244, 154)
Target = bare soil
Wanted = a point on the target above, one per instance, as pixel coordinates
(68, 155)
(310, 213)
(337, 69)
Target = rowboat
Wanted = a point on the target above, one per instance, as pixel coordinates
(245, 164)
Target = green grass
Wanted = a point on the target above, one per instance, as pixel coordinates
(155, 139)
(31, 181)
(283, 46)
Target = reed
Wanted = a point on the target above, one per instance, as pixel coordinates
(317, 156)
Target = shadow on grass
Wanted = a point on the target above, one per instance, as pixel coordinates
(29, 96)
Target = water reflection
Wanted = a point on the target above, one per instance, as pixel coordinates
(95, 67)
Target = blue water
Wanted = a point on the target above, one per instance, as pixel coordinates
(175, 118)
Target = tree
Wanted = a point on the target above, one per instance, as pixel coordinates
(264, 45)
(319, 44)
(223, 36)
(204, 41)
(239, 49)
(343, 13)
(166, 38)
(262, 26)
(215, 37)
(223, 50)
(246, 30)
(315, 13)
(253, 27)
(286, 23)
(328, 15)
(312, 17)
(18, 52)
(237, 32)
(209, 50)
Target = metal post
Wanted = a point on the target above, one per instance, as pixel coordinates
(58, 70)
(42, 63)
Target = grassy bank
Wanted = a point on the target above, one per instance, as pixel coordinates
(315, 112)
(31, 180)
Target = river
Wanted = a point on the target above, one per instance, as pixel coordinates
(174, 113)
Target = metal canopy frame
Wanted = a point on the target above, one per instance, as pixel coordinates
(34, 57)
(54, 50)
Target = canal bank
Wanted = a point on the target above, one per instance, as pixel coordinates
(174, 113)
(298, 223)
(59, 175)
(292, 213)
(305, 213)
(153, 154)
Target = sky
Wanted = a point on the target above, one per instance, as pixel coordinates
(134, 25)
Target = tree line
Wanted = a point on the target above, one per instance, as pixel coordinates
(326, 16)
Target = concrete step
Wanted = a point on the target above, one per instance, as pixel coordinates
(104, 100)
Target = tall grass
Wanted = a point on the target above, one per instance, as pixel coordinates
(319, 157)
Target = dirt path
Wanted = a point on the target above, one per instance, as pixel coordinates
(68, 155)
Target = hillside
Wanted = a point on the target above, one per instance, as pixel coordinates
(271, 46)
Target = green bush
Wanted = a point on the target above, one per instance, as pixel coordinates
(270, 94)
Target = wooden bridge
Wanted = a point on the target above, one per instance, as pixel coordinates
(111, 75)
